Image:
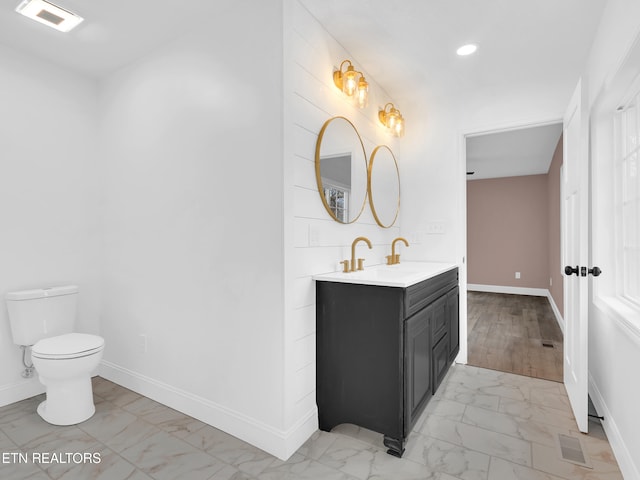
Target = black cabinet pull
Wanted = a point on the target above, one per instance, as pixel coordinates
(570, 270)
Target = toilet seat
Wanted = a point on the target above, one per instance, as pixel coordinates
(67, 346)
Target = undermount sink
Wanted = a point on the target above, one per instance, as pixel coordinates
(399, 275)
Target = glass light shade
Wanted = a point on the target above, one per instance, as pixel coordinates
(349, 81)
(392, 118)
(398, 128)
(362, 94)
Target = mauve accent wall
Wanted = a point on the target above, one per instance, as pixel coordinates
(508, 231)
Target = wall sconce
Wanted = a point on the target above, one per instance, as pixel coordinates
(352, 83)
(392, 119)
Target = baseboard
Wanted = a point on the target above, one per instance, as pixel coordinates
(626, 461)
(280, 443)
(556, 311)
(15, 392)
(536, 292)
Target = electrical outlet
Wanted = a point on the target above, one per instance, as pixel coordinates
(517, 274)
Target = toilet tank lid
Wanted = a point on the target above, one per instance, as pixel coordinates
(42, 292)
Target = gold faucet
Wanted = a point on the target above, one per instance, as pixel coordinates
(360, 261)
(394, 258)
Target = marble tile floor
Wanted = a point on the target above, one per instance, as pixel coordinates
(482, 424)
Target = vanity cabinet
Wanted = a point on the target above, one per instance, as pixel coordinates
(382, 352)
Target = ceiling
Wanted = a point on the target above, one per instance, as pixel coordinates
(512, 153)
(534, 48)
(408, 46)
(113, 34)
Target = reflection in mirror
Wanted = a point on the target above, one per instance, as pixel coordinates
(341, 170)
(384, 186)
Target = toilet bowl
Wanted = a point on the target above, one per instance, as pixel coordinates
(44, 319)
(64, 364)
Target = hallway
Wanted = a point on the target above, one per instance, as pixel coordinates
(514, 333)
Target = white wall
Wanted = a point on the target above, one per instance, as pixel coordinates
(206, 221)
(434, 180)
(48, 200)
(614, 346)
(434, 170)
(192, 214)
(314, 242)
(193, 249)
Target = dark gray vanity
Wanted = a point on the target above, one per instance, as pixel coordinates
(385, 340)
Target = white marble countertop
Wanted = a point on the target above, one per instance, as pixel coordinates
(403, 274)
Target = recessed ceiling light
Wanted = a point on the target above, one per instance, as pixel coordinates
(467, 49)
(49, 14)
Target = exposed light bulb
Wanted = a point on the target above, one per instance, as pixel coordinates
(392, 119)
(349, 82)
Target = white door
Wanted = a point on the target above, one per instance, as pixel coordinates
(575, 238)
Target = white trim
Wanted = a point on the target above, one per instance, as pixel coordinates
(625, 460)
(15, 392)
(510, 127)
(280, 443)
(536, 292)
(620, 311)
(556, 311)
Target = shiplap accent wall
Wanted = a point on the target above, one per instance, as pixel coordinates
(317, 242)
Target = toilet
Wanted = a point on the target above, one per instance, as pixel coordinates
(44, 319)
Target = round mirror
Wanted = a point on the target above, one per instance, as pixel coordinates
(384, 186)
(341, 170)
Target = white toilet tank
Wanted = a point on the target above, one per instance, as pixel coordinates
(41, 313)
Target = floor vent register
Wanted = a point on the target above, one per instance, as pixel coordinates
(571, 451)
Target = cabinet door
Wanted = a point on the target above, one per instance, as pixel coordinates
(440, 361)
(453, 301)
(417, 366)
(439, 319)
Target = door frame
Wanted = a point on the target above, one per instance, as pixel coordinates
(463, 355)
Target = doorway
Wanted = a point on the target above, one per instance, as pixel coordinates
(514, 299)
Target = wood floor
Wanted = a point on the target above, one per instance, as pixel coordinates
(509, 333)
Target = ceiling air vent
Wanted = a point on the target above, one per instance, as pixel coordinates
(49, 14)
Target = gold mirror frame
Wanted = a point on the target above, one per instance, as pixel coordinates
(370, 190)
(319, 175)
